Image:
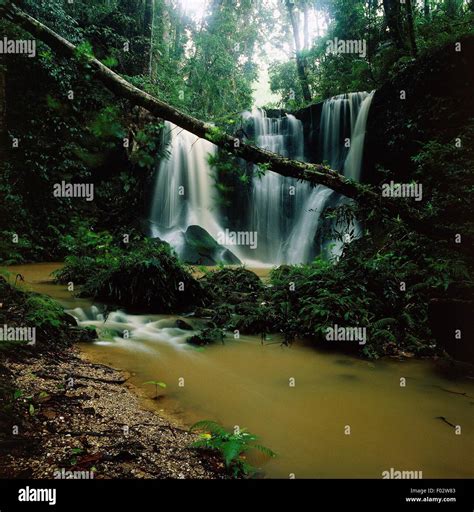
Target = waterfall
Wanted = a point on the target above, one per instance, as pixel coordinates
(338, 120)
(275, 198)
(183, 188)
(353, 162)
(284, 213)
(343, 120)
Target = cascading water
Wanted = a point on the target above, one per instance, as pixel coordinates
(353, 162)
(184, 188)
(276, 200)
(343, 120)
(284, 213)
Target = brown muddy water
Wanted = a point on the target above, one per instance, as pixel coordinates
(299, 400)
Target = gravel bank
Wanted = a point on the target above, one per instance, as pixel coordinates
(77, 416)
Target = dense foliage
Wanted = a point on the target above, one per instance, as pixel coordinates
(394, 34)
(141, 273)
(65, 128)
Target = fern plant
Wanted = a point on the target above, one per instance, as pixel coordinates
(232, 446)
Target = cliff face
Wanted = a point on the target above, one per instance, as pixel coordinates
(311, 119)
(438, 101)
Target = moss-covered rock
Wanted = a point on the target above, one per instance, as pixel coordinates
(201, 249)
(53, 327)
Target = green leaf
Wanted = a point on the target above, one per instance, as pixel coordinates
(209, 425)
(264, 450)
(230, 450)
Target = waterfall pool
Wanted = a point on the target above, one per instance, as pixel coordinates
(325, 414)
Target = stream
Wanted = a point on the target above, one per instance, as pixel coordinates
(298, 399)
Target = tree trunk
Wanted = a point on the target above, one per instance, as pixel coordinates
(451, 7)
(152, 37)
(411, 28)
(426, 8)
(302, 76)
(313, 173)
(394, 22)
(306, 26)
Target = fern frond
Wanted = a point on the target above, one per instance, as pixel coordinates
(210, 426)
(266, 451)
(383, 322)
(385, 335)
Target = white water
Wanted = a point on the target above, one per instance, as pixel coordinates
(274, 208)
(285, 214)
(184, 188)
(353, 162)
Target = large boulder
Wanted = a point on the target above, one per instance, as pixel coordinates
(199, 248)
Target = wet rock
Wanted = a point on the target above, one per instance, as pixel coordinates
(84, 335)
(204, 313)
(182, 324)
(201, 249)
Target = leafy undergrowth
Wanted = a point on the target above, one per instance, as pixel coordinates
(142, 274)
(231, 446)
(149, 277)
(386, 294)
(235, 297)
(382, 283)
